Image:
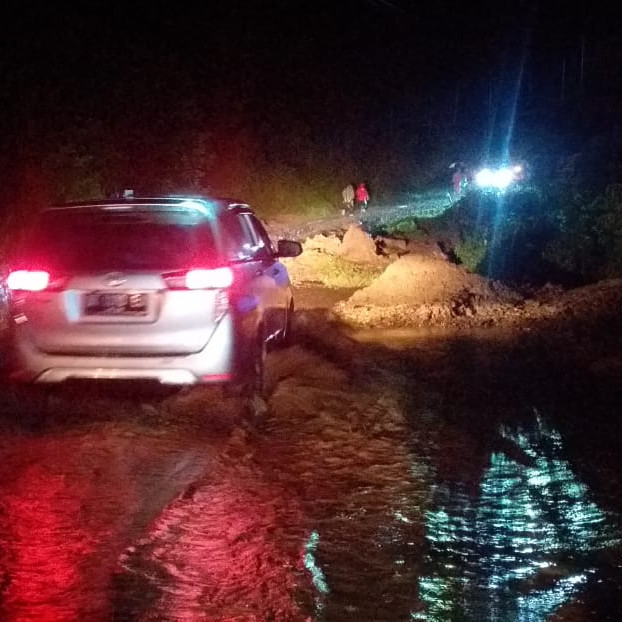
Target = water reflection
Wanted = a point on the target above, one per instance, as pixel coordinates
(335, 512)
(230, 548)
(317, 575)
(317, 519)
(523, 547)
(47, 568)
(67, 506)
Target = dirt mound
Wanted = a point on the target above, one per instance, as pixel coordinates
(439, 300)
(329, 244)
(422, 279)
(418, 290)
(594, 296)
(358, 246)
(395, 246)
(349, 263)
(355, 245)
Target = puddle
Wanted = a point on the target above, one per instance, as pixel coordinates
(527, 544)
(342, 508)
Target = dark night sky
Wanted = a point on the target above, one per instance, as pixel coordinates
(368, 67)
(307, 53)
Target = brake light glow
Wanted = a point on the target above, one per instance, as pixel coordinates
(217, 278)
(200, 278)
(28, 280)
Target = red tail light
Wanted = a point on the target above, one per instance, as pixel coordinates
(200, 278)
(28, 280)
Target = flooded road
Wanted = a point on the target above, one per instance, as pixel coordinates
(395, 478)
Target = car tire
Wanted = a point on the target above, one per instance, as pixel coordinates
(252, 389)
(258, 382)
(255, 408)
(253, 381)
(288, 335)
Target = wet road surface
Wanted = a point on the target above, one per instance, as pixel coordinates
(396, 477)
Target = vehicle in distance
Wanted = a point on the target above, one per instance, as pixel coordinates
(178, 290)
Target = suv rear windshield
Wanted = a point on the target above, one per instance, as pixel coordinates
(119, 239)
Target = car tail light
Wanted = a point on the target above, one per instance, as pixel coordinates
(35, 281)
(216, 278)
(28, 280)
(200, 278)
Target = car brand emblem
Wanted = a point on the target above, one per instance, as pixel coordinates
(115, 279)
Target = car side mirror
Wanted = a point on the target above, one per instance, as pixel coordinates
(288, 248)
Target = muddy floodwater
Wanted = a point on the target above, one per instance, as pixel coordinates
(398, 477)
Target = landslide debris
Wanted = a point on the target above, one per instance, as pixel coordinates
(402, 283)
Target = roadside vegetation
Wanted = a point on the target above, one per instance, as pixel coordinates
(536, 236)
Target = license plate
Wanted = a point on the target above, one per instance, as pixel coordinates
(117, 303)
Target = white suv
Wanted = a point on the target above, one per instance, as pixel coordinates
(178, 290)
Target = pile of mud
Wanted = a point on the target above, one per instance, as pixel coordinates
(418, 291)
(354, 245)
(347, 261)
(420, 279)
(405, 283)
(422, 289)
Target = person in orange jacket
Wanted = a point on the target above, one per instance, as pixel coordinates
(362, 196)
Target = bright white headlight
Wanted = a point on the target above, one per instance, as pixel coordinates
(503, 178)
(484, 178)
(499, 178)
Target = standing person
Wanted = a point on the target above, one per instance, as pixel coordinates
(459, 179)
(362, 197)
(348, 199)
(456, 180)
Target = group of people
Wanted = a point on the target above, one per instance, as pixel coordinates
(350, 196)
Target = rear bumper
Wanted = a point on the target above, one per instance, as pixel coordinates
(213, 364)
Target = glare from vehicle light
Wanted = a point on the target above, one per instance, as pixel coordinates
(28, 280)
(217, 278)
(193, 205)
(503, 178)
(500, 178)
(199, 206)
(484, 178)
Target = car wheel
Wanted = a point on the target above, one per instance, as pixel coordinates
(251, 390)
(258, 382)
(253, 380)
(288, 334)
(256, 407)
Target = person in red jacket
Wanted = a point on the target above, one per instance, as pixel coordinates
(457, 179)
(362, 197)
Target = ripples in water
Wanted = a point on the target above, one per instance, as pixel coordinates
(524, 547)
